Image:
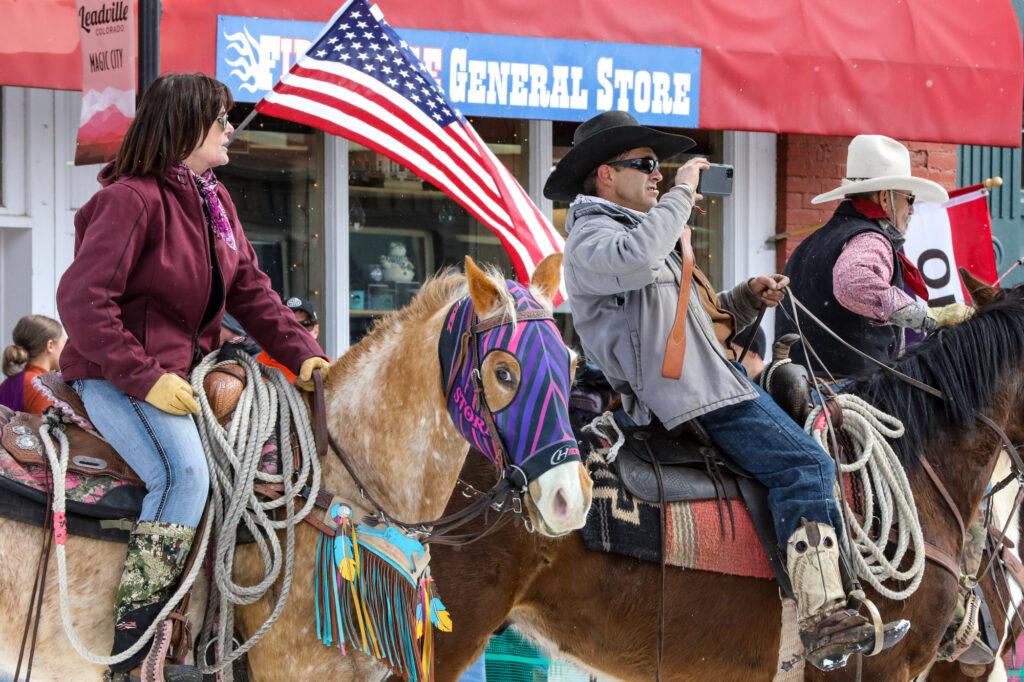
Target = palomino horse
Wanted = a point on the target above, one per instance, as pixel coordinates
(601, 610)
(387, 408)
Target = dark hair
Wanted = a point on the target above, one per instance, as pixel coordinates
(172, 119)
(590, 182)
(30, 336)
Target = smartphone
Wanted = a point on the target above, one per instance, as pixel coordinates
(716, 181)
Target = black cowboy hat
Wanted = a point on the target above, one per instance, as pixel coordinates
(601, 138)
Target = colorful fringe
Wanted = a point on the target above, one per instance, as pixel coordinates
(374, 594)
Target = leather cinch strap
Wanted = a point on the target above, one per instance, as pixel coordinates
(675, 347)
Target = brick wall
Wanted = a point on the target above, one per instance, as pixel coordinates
(811, 164)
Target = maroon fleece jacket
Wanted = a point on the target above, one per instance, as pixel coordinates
(134, 298)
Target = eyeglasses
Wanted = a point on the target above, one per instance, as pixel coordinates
(308, 323)
(909, 197)
(646, 165)
(223, 121)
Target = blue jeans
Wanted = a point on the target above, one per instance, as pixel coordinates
(163, 449)
(759, 436)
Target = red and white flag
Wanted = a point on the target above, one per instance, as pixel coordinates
(360, 80)
(951, 235)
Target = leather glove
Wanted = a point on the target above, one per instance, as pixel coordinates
(173, 395)
(948, 315)
(305, 378)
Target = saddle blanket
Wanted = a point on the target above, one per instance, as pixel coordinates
(697, 535)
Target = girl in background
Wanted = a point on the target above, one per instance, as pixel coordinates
(38, 341)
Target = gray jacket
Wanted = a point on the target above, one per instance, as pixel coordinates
(622, 274)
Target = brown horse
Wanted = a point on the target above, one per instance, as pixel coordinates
(387, 408)
(601, 610)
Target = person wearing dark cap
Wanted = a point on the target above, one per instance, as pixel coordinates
(305, 313)
(630, 290)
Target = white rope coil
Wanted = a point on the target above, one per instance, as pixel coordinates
(233, 455)
(886, 489)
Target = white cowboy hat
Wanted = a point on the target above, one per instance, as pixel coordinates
(877, 162)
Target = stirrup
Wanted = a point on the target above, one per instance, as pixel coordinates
(832, 651)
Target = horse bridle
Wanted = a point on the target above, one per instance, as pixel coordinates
(936, 554)
(506, 494)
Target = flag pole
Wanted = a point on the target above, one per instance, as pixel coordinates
(242, 126)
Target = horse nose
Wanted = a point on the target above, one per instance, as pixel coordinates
(563, 497)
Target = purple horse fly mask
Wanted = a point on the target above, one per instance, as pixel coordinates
(531, 433)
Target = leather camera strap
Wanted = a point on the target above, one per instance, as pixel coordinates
(675, 347)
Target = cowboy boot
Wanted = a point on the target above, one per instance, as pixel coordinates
(830, 631)
(157, 553)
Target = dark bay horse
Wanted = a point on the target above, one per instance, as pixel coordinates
(601, 609)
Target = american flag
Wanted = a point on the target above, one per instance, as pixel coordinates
(360, 80)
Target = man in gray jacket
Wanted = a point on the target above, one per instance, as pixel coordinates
(622, 272)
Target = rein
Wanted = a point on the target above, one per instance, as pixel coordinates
(506, 494)
(932, 552)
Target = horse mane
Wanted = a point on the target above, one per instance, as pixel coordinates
(966, 362)
(439, 292)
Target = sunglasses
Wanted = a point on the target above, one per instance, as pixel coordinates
(223, 121)
(646, 165)
(308, 323)
(909, 197)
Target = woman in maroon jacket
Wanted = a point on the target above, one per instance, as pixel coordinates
(159, 256)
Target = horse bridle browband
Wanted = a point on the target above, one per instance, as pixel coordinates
(505, 495)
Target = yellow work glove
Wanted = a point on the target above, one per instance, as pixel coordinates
(173, 395)
(305, 378)
(948, 315)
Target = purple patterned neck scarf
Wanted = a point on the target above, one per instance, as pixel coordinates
(534, 428)
(216, 217)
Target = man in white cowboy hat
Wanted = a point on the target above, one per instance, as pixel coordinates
(629, 292)
(852, 273)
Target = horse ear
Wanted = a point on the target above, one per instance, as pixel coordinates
(548, 276)
(482, 290)
(981, 292)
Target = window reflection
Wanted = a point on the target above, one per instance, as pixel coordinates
(402, 229)
(276, 181)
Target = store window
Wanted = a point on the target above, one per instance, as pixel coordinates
(402, 229)
(276, 181)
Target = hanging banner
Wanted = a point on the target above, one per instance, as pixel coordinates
(951, 235)
(109, 51)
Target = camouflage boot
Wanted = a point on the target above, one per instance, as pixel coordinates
(157, 553)
(830, 631)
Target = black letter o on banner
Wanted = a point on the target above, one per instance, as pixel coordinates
(930, 254)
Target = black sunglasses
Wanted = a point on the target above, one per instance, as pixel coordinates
(909, 197)
(308, 323)
(646, 165)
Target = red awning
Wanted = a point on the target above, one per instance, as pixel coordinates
(927, 70)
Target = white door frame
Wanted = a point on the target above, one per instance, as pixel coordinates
(749, 215)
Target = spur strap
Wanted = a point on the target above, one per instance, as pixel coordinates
(675, 346)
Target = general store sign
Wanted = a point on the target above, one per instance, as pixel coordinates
(493, 75)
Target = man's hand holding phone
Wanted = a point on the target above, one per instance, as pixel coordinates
(689, 174)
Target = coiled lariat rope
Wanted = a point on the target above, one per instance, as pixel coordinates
(233, 454)
(882, 476)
